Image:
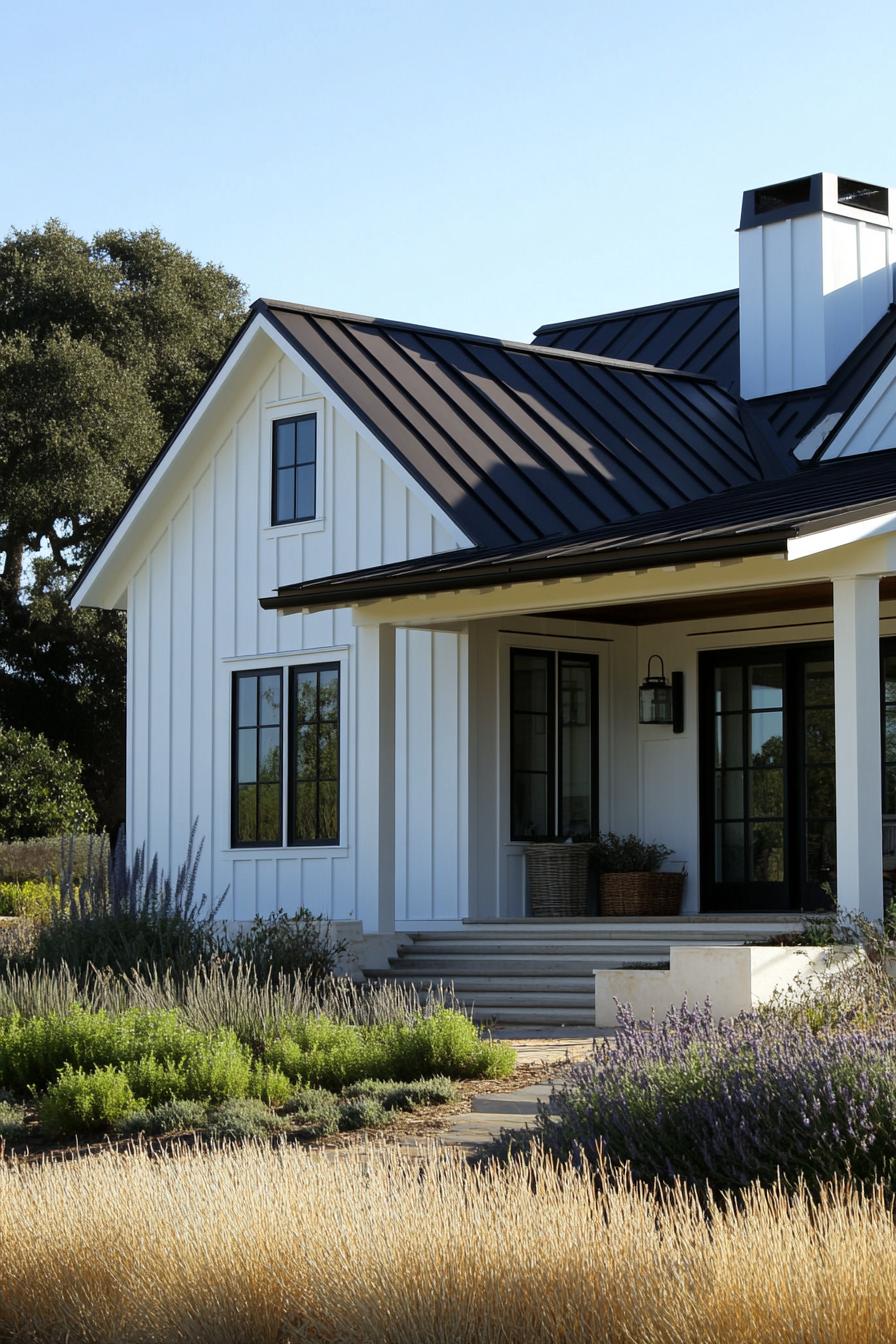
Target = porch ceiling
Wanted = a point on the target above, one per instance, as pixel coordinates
(794, 597)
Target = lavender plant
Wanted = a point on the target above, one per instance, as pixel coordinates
(759, 1097)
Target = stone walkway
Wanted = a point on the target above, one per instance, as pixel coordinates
(496, 1111)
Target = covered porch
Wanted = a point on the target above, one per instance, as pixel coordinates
(775, 790)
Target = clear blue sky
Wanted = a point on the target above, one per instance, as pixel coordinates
(486, 166)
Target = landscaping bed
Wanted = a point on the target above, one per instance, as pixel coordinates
(221, 1053)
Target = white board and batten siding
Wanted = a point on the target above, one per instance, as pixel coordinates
(194, 619)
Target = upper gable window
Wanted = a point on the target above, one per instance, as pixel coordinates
(294, 493)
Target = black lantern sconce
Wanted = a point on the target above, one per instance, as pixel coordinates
(660, 701)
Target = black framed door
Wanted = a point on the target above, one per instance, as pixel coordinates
(767, 779)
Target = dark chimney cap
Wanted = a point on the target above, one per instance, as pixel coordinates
(811, 196)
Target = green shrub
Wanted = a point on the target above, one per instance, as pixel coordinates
(171, 1117)
(314, 1111)
(244, 1118)
(33, 1050)
(218, 1067)
(41, 792)
(363, 1113)
(156, 1081)
(449, 1044)
(49, 856)
(628, 854)
(323, 1053)
(27, 900)
(405, 1096)
(12, 1122)
(122, 941)
(82, 1103)
(270, 1085)
(282, 944)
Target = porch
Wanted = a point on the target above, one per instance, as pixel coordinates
(780, 658)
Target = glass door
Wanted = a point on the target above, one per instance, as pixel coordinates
(768, 786)
(746, 827)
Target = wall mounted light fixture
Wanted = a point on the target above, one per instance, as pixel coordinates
(661, 701)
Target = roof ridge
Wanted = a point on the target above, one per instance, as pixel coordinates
(634, 312)
(520, 347)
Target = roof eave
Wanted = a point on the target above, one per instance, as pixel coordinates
(313, 596)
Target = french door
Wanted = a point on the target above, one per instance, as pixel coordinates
(553, 744)
(767, 779)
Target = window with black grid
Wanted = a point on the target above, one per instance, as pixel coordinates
(314, 755)
(294, 489)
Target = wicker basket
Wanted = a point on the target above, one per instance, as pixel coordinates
(557, 876)
(641, 893)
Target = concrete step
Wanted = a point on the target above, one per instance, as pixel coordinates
(521, 998)
(451, 968)
(537, 1017)
(577, 948)
(477, 984)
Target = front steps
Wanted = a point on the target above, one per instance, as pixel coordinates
(541, 971)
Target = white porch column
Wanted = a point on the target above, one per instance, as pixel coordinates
(375, 867)
(857, 725)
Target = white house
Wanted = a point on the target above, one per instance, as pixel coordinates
(391, 592)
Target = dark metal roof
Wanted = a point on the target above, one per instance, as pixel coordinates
(520, 443)
(752, 519)
(699, 335)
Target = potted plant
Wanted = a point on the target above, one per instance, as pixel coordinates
(631, 882)
(557, 873)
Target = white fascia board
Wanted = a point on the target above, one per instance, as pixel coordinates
(844, 534)
(385, 453)
(104, 570)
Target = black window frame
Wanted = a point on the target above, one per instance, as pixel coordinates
(238, 675)
(554, 771)
(321, 842)
(275, 470)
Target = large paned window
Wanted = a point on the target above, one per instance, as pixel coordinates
(314, 755)
(257, 752)
(553, 744)
(294, 490)
(311, 783)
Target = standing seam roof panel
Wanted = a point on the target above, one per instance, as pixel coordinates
(534, 392)
(574, 494)
(402, 420)
(459, 431)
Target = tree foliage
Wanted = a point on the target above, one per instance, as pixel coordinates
(41, 792)
(103, 347)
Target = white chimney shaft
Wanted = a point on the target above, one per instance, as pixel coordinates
(816, 274)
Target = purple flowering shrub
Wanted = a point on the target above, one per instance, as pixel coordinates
(752, 1098)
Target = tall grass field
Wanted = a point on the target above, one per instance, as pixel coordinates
(256, 1244)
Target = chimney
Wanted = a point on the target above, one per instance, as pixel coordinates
(816, 273)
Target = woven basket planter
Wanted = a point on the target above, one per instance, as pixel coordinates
(641, 893)
(557, 876)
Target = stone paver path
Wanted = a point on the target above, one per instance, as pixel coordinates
(495, 1111)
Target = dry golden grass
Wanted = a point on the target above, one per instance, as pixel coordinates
(253, 1245)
